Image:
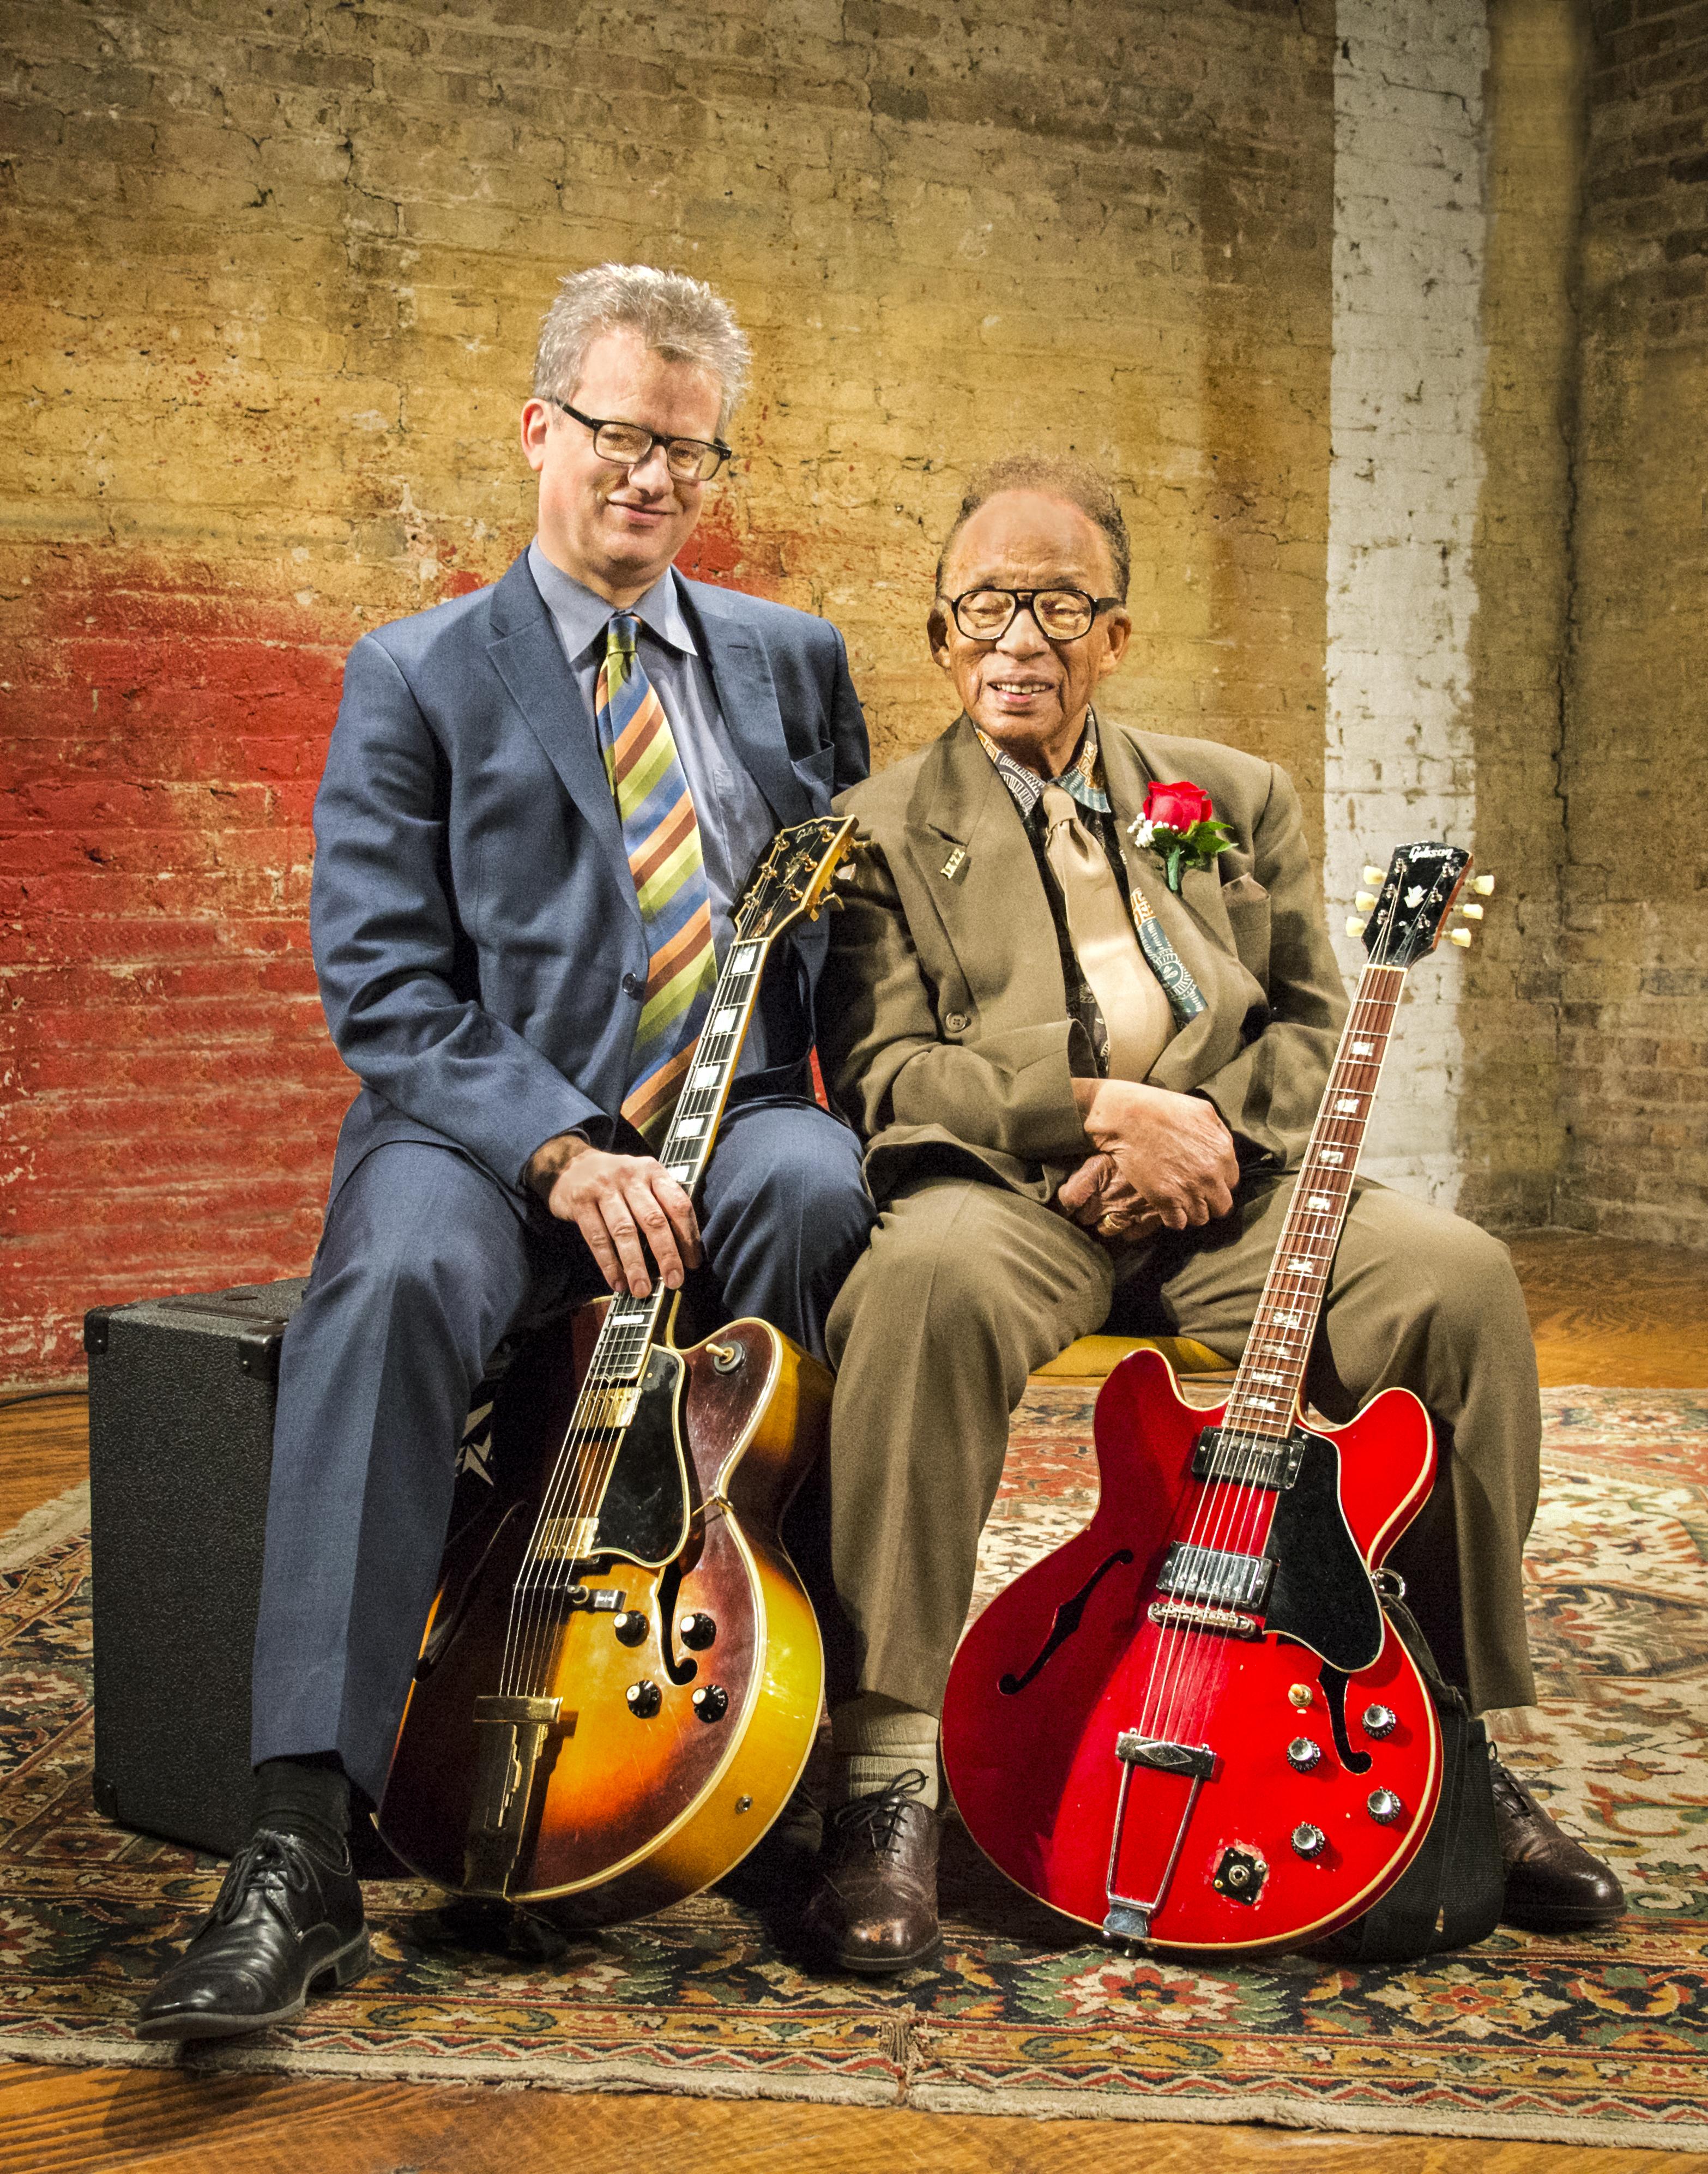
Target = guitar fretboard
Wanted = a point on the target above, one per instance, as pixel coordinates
(631, 1324)
(1270, 1385)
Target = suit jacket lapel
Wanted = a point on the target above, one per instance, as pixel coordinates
(529, 658)
(993, 905)
(747, 697)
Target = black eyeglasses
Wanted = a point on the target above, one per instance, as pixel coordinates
(1059, 614)
(626, 444)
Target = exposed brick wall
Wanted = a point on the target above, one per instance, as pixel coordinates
(1510, 1123)
(274, 281)
(1635, 1028)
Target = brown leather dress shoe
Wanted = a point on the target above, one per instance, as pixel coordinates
(1552, 1883)
(873, 1907)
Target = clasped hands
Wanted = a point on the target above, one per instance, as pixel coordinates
(1159, 1160)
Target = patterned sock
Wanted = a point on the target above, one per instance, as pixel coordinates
(874, 1739)
(308, 1798)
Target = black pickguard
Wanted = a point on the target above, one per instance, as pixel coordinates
(1322, 1593)
(647, 1505)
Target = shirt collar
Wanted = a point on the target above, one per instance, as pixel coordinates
(1083, 779)
(581, 617)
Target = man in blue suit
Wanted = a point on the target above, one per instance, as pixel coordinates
(504, 993)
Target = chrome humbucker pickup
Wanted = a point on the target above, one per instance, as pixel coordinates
(1220, 1454)
(1214, 1577)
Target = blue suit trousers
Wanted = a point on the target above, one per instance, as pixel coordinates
(426, 1264)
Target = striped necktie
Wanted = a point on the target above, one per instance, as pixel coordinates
(661, 837)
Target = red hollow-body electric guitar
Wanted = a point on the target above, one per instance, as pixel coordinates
(1193, 1726)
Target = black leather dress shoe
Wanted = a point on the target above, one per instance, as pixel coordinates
(874, 1905)
(287, 1921)
(1552, 1883)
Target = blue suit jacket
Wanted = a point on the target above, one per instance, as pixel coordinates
(476, 934)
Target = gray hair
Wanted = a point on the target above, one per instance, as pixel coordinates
(1053, 476)
(681, 319)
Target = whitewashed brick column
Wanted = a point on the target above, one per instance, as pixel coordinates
(1406, 389)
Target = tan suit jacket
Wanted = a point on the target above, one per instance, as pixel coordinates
(941, 1017)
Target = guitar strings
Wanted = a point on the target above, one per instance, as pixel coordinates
(1243, 1510)
(1187, 1661)
(587, 1456)
(1196, 1666)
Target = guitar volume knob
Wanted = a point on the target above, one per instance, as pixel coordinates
(1308, 1841)
(1303, 1754)
(1379, 1721)
(712, 1702)
(644, 1698)
(630, 1627)
(1384, 1806)
(696, 1632)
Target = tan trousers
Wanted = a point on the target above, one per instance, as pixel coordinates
(967, 1287)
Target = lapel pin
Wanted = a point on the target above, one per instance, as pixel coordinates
(956, 866)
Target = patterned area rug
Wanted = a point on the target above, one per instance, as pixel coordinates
(1592, 2040)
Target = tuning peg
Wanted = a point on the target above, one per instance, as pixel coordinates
(1470, 912)
(1462, 937)
(1365, 902)
(1374, 874)
(1482, 885)
(1355, 926)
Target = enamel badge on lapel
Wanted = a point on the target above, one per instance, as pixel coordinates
(955, 866)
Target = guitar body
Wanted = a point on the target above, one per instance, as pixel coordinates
(619, 1805)
(1069, 1659)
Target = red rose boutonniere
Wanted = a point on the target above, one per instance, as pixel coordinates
(1179, 825)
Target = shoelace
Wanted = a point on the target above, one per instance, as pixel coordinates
(880, 1814)
(276, 1866)
(1511, 1792)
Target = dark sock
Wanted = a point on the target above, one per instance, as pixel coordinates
(308, 1798)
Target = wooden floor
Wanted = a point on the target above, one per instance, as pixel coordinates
(1602, 1312)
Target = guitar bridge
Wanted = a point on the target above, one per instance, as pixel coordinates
(1194, 1615)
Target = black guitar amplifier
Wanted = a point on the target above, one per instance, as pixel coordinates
(181, 1401)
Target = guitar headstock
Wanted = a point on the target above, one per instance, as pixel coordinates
(790, 883)
(1419, 888)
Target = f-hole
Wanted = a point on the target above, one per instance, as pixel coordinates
(681, 1669)
(1334, 1686)
(1065, 1623)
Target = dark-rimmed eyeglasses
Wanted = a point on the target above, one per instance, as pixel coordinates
(1059, 614)
(627, 444)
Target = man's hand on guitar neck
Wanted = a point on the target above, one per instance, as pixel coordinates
(615, 1201)
(1162, 1159)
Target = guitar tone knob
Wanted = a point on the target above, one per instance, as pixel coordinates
(1308, 1841)
(696, 1632)
(645, 1699)
(712, 1702)
(1379, 1721)
(630, 1627)
(1384, 1806)
(1302, 1755)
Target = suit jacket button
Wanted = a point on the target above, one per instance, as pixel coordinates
(633, 986)
(954, 1022)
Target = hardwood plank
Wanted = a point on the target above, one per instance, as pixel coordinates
(70, 2122)
(1611, 1312)
(44, 1449)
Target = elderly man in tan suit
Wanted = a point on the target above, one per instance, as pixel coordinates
(1078, 1092)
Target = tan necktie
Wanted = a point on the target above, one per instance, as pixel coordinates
(1134, 1006)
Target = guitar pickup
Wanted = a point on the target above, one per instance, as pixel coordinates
(1213, 1578)
(1248, 1461)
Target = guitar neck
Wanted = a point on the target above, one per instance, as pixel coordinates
(631, 1324)
(1269, 1388)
